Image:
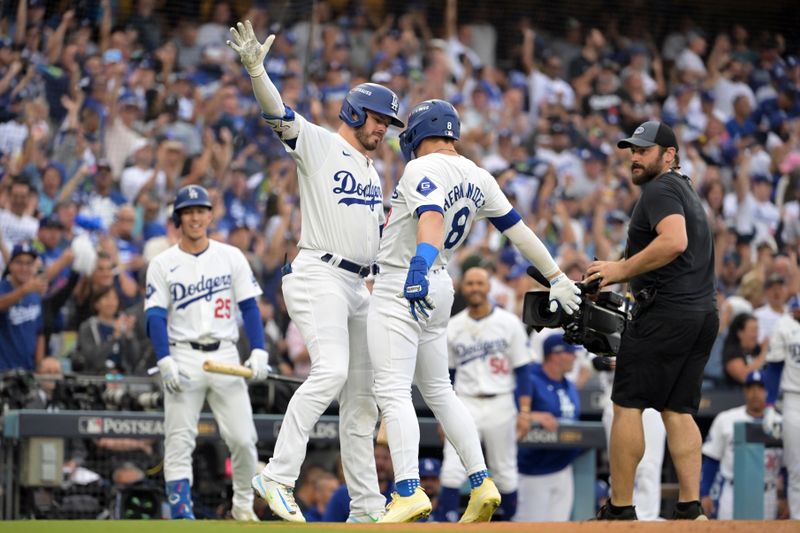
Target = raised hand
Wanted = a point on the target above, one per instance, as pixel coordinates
(251, 52)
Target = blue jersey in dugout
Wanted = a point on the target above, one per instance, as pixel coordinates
(561, 399)
(20, 325)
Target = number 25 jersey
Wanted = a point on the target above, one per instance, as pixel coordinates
(200, 292)
(452, 185)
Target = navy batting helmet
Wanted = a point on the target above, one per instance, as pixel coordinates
(369, 97)
(431, 118)
(189, 196)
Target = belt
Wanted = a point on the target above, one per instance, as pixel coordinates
(768, 485)
(350, 266)
(213, 347)
(484, 396)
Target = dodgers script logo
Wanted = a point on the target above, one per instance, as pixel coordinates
(183, 295)
(356, 193)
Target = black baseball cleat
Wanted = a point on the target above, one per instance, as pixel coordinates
(689, 511)
(612, 512)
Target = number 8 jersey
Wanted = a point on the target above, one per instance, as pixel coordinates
(454, 186)
(200, 292)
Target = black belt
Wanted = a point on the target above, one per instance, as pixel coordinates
(213, 347)
(485, 396)
(355, 268)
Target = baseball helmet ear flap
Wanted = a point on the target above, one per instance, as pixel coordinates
(189, 196)
(369, 97)
(431, 118)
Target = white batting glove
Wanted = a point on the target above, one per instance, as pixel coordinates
(772, 423)
(171, 374)
(258, 362)
(563, 292)
(251, 52)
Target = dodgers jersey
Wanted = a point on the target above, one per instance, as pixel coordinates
(485, 352)
(341, 199)
(719, 444)
(784, 346)
(200, 292)
(454, 186)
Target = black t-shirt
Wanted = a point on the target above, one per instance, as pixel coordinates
(687, 282)
(731, 351)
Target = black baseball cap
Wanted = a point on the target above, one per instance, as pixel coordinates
(651, 133)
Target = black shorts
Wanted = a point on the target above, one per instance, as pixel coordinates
(662, 358)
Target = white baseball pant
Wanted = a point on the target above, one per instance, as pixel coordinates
(329, 306)
(403, 351)
(647, 484)
(229, 401)
(496, 419)
(791, 450)
(546, 498)
(725, 502)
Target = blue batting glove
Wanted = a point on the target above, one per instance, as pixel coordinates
(415, 289)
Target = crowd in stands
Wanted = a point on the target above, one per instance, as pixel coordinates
(106, 109)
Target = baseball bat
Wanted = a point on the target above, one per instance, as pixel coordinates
(382, 437)
(227, 368)
(241, 370)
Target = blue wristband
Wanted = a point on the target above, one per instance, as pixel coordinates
(428, 252)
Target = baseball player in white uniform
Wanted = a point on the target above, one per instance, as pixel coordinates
(434, 206)
(324, 287)
(193, 290)
(718, 455)
(488, 355)
(783, 373)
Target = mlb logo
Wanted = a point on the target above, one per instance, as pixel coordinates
(90, 425)
(425, 186)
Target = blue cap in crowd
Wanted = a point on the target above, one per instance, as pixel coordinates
(556, 343)
(794, 303)
(754, 378)
(23, 248)
(429, 467)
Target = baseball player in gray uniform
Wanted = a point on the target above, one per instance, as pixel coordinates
(193, 290)
(434, 206)
(324, 287)
(488, 351)
(783, 374)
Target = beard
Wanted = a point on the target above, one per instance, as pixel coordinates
(647, 172)
(365, 140)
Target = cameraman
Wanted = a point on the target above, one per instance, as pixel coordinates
(669, 262)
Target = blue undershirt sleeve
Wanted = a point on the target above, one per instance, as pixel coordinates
(772, 381)
(252, 323)
(708, 473)
(523, 375)
(157, 331)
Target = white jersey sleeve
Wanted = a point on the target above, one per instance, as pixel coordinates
(309, 148)
(422, 190)
(157, 290)
(497, 206)
(245, 284)
(716, 440)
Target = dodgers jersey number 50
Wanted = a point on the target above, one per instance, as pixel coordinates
(453, 186)
(200, 292)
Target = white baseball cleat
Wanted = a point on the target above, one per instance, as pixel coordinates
(366, 518)
(279, 497)
(244, 515)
